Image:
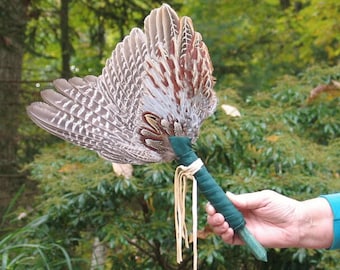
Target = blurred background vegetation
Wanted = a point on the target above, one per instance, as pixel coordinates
(63, 207)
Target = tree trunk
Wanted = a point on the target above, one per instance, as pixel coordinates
(66, 48)
(98, 255)
(12, 32)
(285, 4)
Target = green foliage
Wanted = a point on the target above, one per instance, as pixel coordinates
(281, 142)
(121, 212)
(254, 42)
(30, 247)
(95, 28)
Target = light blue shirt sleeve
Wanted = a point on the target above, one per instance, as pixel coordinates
(334, 202)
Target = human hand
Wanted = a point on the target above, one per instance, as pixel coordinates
(275, 220)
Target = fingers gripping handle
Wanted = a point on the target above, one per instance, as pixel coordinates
(216, 196)
(214, 193)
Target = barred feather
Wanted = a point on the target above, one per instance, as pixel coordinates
(157, 83)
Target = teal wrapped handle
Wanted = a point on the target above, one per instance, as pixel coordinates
(216, 196)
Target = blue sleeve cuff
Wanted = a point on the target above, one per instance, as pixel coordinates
(334, 202)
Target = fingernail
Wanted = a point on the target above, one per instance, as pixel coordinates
(228, 193)
(210, 208)
(219, 218)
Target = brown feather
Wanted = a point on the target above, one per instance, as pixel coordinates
(157, 83)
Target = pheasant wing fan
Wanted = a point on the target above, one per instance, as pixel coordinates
(157, 83)
(146, 106)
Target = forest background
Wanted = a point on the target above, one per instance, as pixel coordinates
(63, 207)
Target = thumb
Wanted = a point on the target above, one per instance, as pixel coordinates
(246, 200)
(234, 199)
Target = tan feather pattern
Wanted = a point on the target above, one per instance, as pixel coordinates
(157, 83)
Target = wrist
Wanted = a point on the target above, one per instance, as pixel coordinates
(334, 203)
(315, 224)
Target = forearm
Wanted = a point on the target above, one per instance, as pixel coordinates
(315, 224)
